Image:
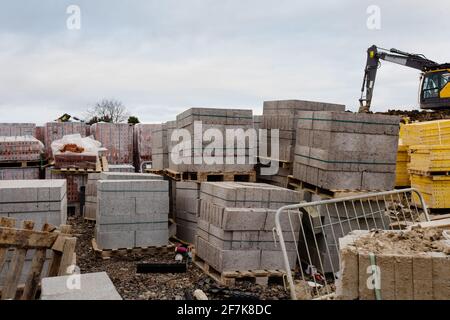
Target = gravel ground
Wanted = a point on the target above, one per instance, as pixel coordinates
(134, 286)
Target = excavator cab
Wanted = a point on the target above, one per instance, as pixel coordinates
(435, 90)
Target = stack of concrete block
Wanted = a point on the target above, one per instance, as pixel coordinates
(74, 183)
(257, 122)
(91, 187)
(132, 213)
(415, 273)
(57, 130)
(42, 201)
(235, 226)
(220, 120)
(143, 143)
(187, 209)
(118, 139)
(160, 152)
(120, 168)
(20, 148)
(342, 150)
(17, 129)
(29, 173)
(283, 115)
(94, 286)
(324, 225)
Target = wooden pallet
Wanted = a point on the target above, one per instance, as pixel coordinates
(102, 165)
(429, 173)
(211, 176)
(296, 184)
(109, 253)
(20, 164)
(27, 240)
(160, 172)
(229, 278)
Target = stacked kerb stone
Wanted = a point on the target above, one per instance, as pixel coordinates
(346, 151)
(235, 226)
(283, 115)
(132, 213)
(219, 120)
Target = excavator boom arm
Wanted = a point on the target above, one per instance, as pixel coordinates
(374, 55)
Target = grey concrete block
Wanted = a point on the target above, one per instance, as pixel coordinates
(93, 286)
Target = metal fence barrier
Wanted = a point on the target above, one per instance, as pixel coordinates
(322, 223)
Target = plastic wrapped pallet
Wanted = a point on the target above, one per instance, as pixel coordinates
(143, 143)
(57, 130)
(132, 213)
(17, 129)
(20, 148)
(235, 223)
(117, 138)
(346, 151)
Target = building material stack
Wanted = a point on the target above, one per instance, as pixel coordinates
(121, 168)
(74, 183)
(40, 201)
(404, 272)
(160, 158)
(57, 130)
(118, 139)
(187, 209)
(235, 226)
(429, 153)
(143, 143)
(219, 120)
(284, 115)
(132, 213)
(402, 178)
(346, 151)
(91, 187)
(17, 129)
(19, 157)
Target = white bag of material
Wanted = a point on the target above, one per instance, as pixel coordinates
(91, 147)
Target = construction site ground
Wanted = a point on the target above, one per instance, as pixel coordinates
(160, 286)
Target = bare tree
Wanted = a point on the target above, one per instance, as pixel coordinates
(108, 110)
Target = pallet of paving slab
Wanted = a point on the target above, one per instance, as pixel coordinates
(229, 278)
(296, 184)
(249, 176)
(151, 250)
(21, 164)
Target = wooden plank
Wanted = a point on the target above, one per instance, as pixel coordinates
(33, 279)
(56, 256)
(29, 239)
(441, 224)
(67, 256)
(15, 269)
(8, 223)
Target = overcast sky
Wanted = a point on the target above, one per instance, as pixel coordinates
(161, 57)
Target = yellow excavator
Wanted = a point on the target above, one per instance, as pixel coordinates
(434, 81)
